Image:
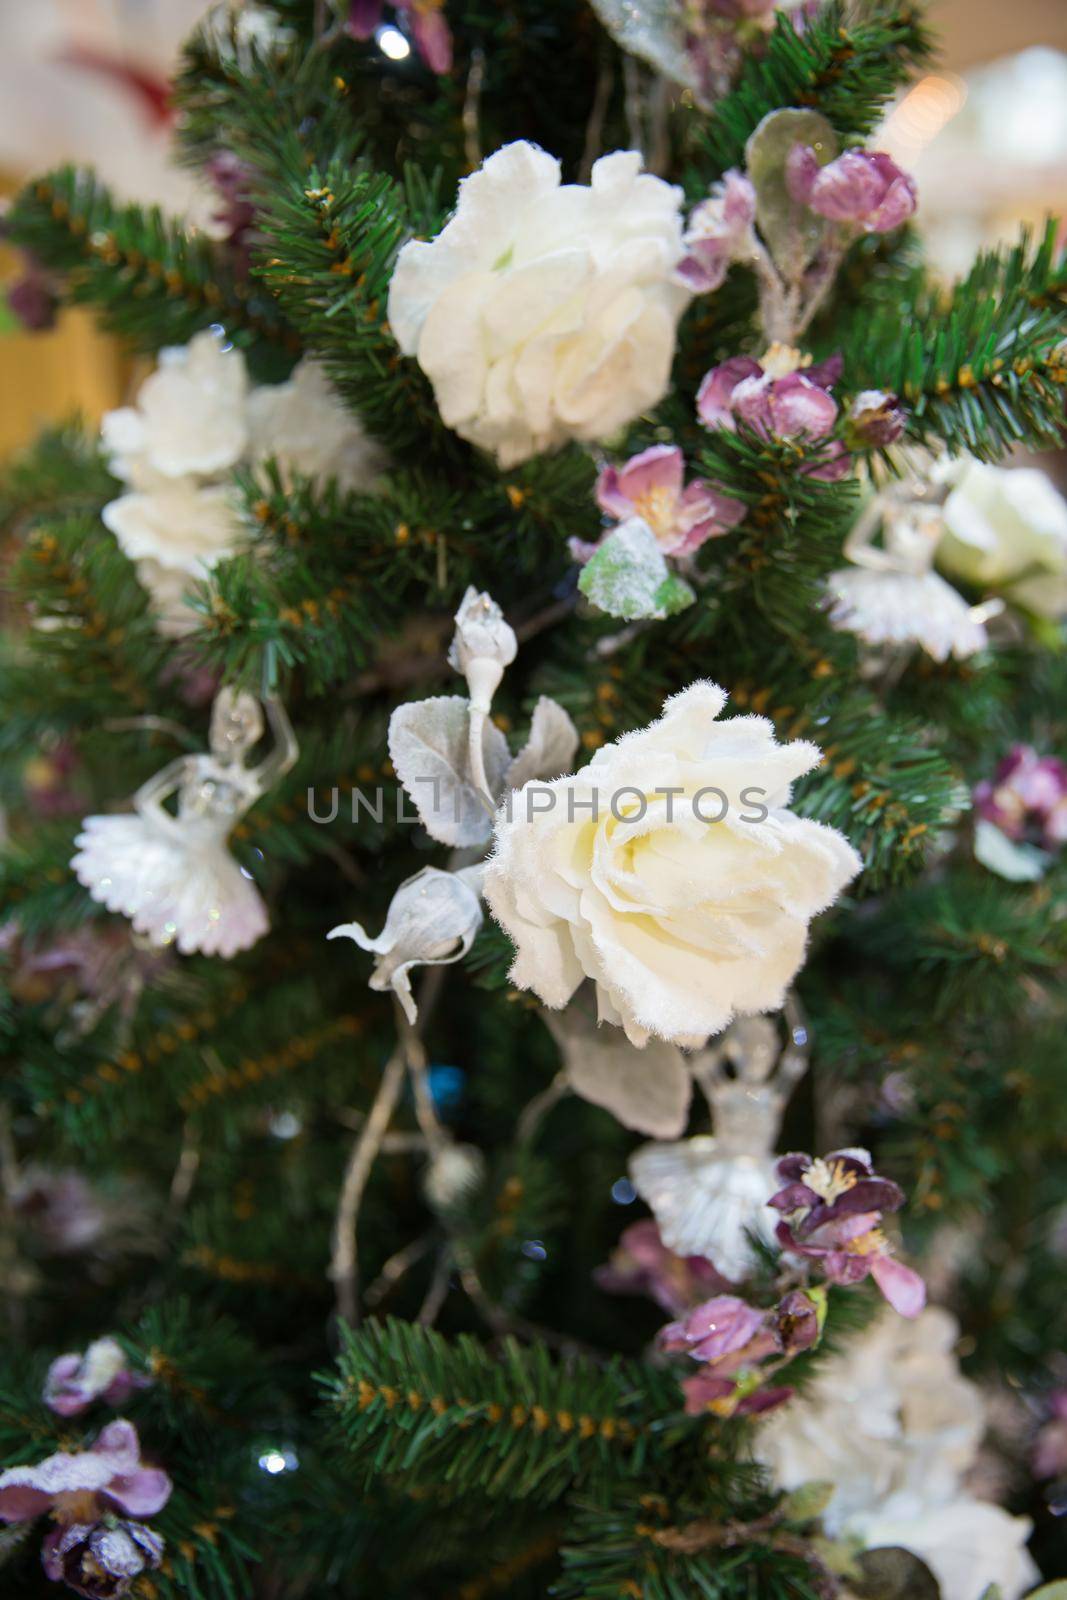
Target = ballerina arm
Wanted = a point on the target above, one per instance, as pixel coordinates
(283, 757)
(859, 546)
(148, 800)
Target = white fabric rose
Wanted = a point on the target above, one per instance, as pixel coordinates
(968, 1544)
(892, 1424)
(194, 421)
(683, 920)
(1007, 530)
(545, 312)
(305, 427)
(189, 416)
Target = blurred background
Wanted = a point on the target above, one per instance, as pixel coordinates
(85, 80)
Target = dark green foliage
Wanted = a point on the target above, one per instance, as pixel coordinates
(981, 368)
(420, 1411)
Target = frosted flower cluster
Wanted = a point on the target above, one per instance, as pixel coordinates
(195, 419)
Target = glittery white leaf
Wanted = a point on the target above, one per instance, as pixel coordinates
(629, 577)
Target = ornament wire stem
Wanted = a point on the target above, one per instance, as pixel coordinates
(344, 1264)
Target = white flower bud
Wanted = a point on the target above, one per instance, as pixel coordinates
(483, 645)
(453, 1175)
(432, 921)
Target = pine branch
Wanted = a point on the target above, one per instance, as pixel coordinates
(848, 63)
(148, 279)
(428, 1412)
(332, 239)
(982, 370)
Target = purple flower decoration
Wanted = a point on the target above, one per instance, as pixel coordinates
(798, 1320)
(101, 1560)
(717, 233)
(75, 1381)
(834, 1207)
(861, 187)
(236, 214)
(1027, 797)
(642, 1264)
(876, 419)
(725, 1331)
(725, 1398)
(425, 18)
(84, 1486)
(652, 486)
(778, 398)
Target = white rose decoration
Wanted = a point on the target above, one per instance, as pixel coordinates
(683, 920)
(890, 1421)
(305, 427)
(1007, 530)
(190, 414)
(545, 312)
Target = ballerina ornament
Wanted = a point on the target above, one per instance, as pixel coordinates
(172, 874)
(891, 595)
(709, 1194)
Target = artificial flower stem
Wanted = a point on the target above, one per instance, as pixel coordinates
(476, 750)
(344, 1262)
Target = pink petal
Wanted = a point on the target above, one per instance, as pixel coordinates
(799, 408)
(801, 170)
(433, 39)
(837, 464)
(363, 18)
(715, 395)
(738, 202)
(661, 467)
(848, 189)
(826, 373)
(900, 203)
(610, 497)
(142, 1493)
(903, 1288)
(704, 269)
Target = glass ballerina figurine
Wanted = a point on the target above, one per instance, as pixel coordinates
(709, 1194)
(891, 594)
(172, 873)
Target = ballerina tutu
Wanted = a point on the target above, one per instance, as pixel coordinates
(706, 1201)
(181, 888)
(904, 608)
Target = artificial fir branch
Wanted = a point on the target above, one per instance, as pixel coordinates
(147, 278)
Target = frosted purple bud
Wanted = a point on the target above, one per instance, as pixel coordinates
(101, 1560)
(876, 419)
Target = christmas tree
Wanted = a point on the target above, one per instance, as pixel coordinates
(543, 703)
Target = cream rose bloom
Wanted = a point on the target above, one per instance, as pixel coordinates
(682, 920)
(1007, 530)
(545, 312)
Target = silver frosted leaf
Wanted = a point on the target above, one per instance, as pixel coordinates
(647, 1090)
(428, 748)
(793, 232)
(653, 30)
(550, 750)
